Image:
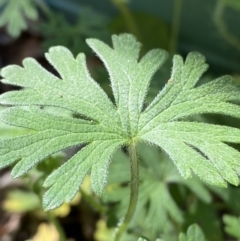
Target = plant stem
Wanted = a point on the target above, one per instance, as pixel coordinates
(130, 22)
(133, 192)
(52, 219)
(222, 27)
(176, 20)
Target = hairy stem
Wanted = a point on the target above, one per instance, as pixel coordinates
(133, 193)
(222, 27)
(176, 20)
(53, 220)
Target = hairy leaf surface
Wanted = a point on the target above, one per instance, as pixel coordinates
(101, 126)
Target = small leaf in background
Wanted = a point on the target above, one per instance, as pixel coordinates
(156, 206)
(14, 15)
(21, 201)
(232, 225)
(46, 232)
(58, 30)
(194, 233)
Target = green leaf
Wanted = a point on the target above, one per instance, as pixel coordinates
(59, 31)
(102, 126)
(232, 225)
(142, 239)
(14, 14)
(193, 233)
(10, 131)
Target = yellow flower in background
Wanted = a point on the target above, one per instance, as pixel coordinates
(46, 232)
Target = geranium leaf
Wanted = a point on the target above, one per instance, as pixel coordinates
(101, 126)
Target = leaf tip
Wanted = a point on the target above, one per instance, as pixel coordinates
(50, 203)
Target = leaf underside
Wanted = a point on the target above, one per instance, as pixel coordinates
(104, 126)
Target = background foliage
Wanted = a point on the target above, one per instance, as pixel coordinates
(168, 205)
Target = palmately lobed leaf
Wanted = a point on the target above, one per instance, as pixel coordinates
(102, 126)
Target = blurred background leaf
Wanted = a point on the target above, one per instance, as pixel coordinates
(162, 193)
(14, 15)
(232, 225)
(58, 30)
(193, 233)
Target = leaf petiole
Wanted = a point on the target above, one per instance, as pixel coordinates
(134, 185)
